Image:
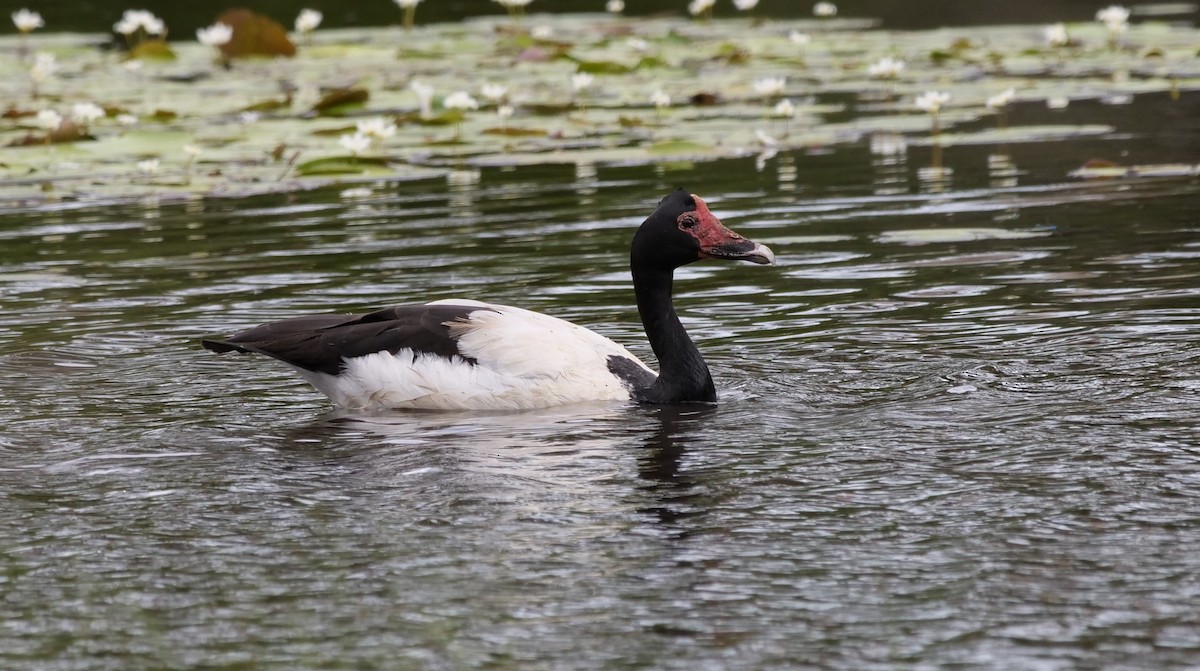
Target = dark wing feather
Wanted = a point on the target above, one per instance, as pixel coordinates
(320, 343)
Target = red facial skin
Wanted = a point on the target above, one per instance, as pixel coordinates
(706, 228)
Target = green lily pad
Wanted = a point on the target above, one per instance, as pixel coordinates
(152, 49)
(343, 165)
(248, 131)
(679, 148)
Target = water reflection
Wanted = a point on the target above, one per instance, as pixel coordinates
(675, 494)
(1002, 175)
(586, 181)
(889, 161)
(786, 173)
(935, 178)
(463, 187)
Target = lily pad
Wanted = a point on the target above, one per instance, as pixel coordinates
(152, 49)
(247, 127)
(343, 165)
(254, 35)
(339, 101)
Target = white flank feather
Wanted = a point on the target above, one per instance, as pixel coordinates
(523, 360)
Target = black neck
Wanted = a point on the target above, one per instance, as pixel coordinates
(683, 376)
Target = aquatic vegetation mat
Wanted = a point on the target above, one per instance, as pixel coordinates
(362, 105)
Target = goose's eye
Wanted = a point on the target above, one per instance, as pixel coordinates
(688, 221)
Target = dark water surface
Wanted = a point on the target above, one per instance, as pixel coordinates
(965, 449)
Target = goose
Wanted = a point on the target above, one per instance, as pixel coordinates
(460, 354)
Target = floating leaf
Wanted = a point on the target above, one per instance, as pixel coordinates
(152, 50)
(679, 148)
(66, 132)
(446, 118)
(343, 165)
(510, 131)
(604, 67)
(269, 105)
(732, 54)
(254, 35)
(339, 101)
(163, 115)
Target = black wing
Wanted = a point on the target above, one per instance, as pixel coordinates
(320, 343)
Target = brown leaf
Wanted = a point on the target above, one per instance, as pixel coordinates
(67, 131)
(254, 35)
(337, 100)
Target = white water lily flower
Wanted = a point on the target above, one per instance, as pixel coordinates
(614, 6)
(407, 4)
(133, 19)
(797, 37)
(886, 68)
(424, 96)
(493, 92)
(85, 113)
(148, 166)
(581, 81)
(1057, 102)
(249, 117)
(355, 143)
(215, 35)
(460, 100)
(127, 119)
(1115, 18)
(379, 128)
(932, 101)
(1056, 35)
(49, 119)
(660, 99)
(505, 111)
(824, 9)
(1001, 99)
(126, 26)
(512, 3)
(745, 5)
(541, 32)
(27, 21)
(769, 86)
(308, 20)
(192, 151)
(785, 108)
(355, 192)
(698, 7)
(44, 66)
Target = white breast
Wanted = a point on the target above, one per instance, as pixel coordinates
(523, 360)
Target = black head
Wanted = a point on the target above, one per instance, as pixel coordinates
(683, 230)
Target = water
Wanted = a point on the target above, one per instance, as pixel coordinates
(975, 450)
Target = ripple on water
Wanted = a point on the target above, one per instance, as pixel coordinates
(943, 454)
